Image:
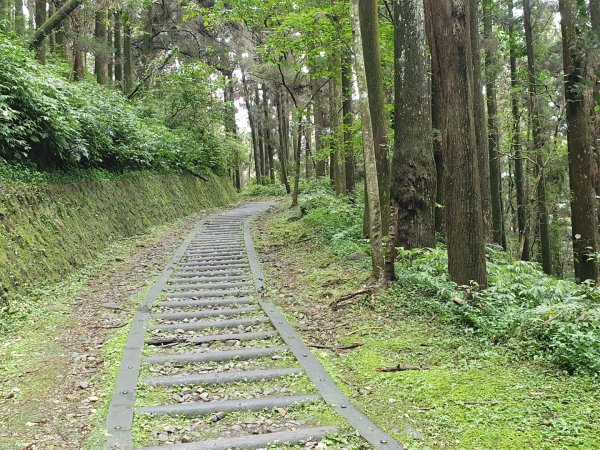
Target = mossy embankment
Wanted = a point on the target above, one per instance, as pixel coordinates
(49, 230)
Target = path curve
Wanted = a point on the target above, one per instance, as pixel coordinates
(212, 293)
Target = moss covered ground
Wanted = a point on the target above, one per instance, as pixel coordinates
(463, 392)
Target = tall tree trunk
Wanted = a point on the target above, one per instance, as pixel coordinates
(260, 134)
(267, 133)
(308, 160)
(283, 141)
(452, 65)
(40, 18)
(127, 57)
(538, 142)
(19, 17)
(336, 112)
(78, 53)
(369, 24)
(493, 130)
(594, 11)
(348, 120)
(118, 49)
(370, 147)
(52, 37)
(413, 180)
(231, 128)
(253, 131)
(516, 149)
(31, 11)
(48, 26)
(147, 40)
(110, 41)
(481, 133)
(297, 158)
(583, 214)
(100, 59)
(319, 120)
(436, 122)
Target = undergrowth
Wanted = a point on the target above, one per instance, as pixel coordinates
(534, 315)
(53, 123)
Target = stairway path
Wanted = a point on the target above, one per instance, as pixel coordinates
(205, 323)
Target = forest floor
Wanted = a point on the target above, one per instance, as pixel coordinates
(57, 369)
(461, 393)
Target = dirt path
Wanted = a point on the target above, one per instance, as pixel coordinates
(210, 362)
(56, 370)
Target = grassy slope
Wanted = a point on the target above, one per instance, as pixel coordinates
(474, 395)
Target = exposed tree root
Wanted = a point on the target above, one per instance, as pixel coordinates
(343, 347)
(400, 368)
(344, 299)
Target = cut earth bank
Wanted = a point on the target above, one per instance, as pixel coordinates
(74, 261)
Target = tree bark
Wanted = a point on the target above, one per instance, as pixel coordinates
(267, 133)
(118, 45)
(48, 26)
(452, 67)
(481, 132)
(297, 158)
(40, 19)
(19, 17)
(147, 43)
(52, 36)
(260, 134)
(583, 214)
(337, 132)
(516, 149)
(369, 24)
(100, 56)
(413, 175)
(110, 56)
(127, 58)
(253, 131)
(283, 141)
(436, 122)
(369, 147)
(493, 129)
(538, 143)
(319, 120)
(348, 120)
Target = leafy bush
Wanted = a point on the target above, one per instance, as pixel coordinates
(57, 124)
(336, 221)
(535, 315)
(269, 190)
(525, 310)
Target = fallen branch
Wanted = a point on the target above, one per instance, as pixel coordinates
(108, 327)
(361, 330)
(343, 347)
(400, 368)
(335, 305)
(169, 342)
(198, 175)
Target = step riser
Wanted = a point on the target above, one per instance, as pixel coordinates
(226, 355)
(223, 377)
(203, 409)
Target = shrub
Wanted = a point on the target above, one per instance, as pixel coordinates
(57, 124)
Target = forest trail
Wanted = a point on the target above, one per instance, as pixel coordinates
(204, 343)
